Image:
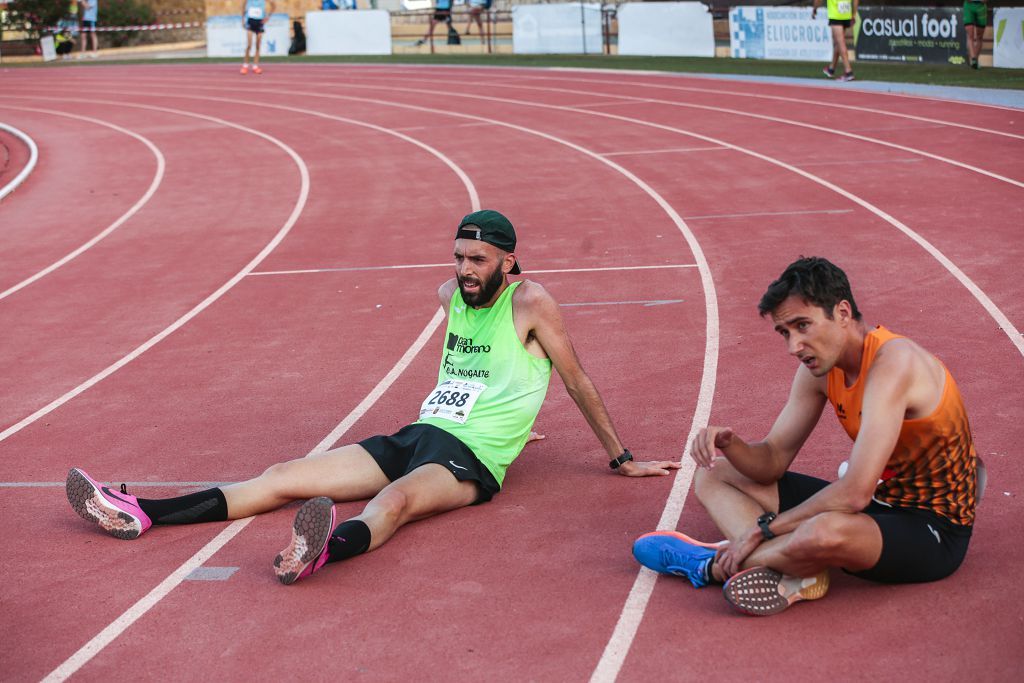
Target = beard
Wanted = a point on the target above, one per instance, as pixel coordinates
(487, 289)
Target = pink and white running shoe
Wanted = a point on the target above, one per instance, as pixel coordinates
(117, 512)
(307, 551)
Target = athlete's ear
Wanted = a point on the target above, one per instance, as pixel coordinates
(508, 263)
(843, 312)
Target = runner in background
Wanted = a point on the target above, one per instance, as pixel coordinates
(254, 17)
(841, 14)
(975, 21)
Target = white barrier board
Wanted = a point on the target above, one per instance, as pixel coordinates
(359, 32)
(1008, 37)
(47, 48)
(225, 36)
(670, 29)
(779, 33)
(569, 28)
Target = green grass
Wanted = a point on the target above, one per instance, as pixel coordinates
(930, 74)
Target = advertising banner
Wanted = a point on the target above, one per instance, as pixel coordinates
(1008, 38)
(779, 33)
(567, 28)
(358, 32)
(225, 36)
(669, 29)
(912, 34)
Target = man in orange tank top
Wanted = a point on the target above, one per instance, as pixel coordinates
(902, 509)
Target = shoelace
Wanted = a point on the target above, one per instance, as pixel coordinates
(683, 565)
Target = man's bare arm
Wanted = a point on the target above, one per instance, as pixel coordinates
(766, 460)
(547, 326)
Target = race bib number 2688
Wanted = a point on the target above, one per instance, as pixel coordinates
(452, 399)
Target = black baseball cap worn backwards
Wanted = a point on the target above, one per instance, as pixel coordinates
(490, 226)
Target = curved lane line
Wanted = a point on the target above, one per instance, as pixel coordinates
(646, 100)
(205, 303)
(33, 158)
(796, 100)
(77, 660)
(157, 179)
(703, 107)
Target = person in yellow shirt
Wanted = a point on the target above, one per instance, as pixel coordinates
(841, 14)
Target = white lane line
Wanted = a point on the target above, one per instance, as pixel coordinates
(355, 269)
(641, 302)
(668, 150)
(147, 195)
(795, 100)
(33, 158)
(136, 611)
(209, 300)
(756, 214)
(725, 110)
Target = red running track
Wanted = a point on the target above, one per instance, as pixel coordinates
(249, 303)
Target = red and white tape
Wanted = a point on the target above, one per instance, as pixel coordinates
(147, 27)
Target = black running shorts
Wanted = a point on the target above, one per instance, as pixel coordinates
(418, 444)
(917, 545)
(254, 25)
(845, 23)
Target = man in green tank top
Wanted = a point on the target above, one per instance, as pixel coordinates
(501, 342)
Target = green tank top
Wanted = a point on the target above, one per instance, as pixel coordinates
(840, 9)
(489, 387)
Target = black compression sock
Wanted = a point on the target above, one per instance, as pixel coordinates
(349, 539)
(204, 506)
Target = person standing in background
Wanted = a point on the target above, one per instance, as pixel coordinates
(90, 14)
(254, 18)
(841, 14)
(975, 21)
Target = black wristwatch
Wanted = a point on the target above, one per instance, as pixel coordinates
(625, 457)
(763, 521)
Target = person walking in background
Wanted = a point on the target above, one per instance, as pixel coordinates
(90, 15)
(254, 17)
(476, 9)
(841, 14)
(975, 21)
(442, 12)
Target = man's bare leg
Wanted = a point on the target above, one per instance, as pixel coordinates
(426, 491)
(831, 539)
(343, 474)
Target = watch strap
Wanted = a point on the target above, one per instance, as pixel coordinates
(625, 457)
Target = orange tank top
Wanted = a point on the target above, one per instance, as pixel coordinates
(934, 464)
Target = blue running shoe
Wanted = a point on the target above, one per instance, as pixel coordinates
(677, 554)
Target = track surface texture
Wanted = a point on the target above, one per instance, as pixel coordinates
(199, 280)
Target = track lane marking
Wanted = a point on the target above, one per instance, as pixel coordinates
(356, 269)
(158, 177)
(210, 299)
(33, 159)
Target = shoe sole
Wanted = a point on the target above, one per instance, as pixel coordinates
(310, 532)
(91, 506)
(686, 539)
(762, 592)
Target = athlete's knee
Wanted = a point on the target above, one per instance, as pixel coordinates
(391, 503)
(821, 536)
